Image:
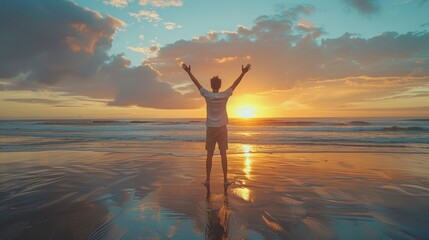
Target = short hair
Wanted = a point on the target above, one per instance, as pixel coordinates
(215, 82)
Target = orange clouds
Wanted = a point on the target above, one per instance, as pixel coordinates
(225, 59)
(289, 53)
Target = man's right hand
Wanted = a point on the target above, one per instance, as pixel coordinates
(186, 68)
(245, 69)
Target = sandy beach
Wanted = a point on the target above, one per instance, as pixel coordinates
(70, 194)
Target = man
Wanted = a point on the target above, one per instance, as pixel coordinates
(216, 119)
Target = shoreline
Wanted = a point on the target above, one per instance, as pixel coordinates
(192, 148)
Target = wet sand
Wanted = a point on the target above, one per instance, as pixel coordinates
(302, 195)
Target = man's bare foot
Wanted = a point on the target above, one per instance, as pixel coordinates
(206, 183)
(227, 183)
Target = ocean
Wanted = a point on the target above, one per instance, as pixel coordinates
(410, 135)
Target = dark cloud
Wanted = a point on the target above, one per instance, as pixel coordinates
(47, 40)
(58, 45)
(125, 86)
(364, 6)
(129, 88)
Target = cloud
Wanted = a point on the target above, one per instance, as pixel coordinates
(55, 39)
(127, 86)
(117, 3)
(138, 49)
(150, 16)
(425, 24)
(123, 85)
(171, 25)
(225, 59)
(153, 16)
(162, 3)
(151, 51)
(305, 24)
(364, 6)
(287, 56)
(420, 2)
(61, 47)
(154, 3)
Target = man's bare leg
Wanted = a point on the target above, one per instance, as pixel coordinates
(208, 166)
(224, 167)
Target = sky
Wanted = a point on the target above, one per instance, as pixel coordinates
(120, 59)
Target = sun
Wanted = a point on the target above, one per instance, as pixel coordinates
(246, 112)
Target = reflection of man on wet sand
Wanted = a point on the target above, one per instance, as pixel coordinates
(217, 118)
(218, 219)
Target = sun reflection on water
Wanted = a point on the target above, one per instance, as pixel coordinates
(247, 161)
(243, 193)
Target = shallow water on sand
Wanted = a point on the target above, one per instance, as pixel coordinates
(111, 195)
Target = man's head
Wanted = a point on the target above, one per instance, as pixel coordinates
(215, 83)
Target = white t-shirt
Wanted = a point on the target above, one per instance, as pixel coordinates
(216, 107)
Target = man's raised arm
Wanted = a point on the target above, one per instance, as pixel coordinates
(244, 70)
(188, 70)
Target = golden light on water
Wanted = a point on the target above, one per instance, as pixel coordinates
(246, 112)
(246, 149)
(247, 168)
(247, 161)
(243, 193)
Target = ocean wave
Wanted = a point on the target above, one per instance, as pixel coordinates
(115, 122)
(359, 123)
(233, 122)
(317, 132)
(235, 148)
(197, 133)
(282, 122)
(396, 128)
(373, 142)
(330, 125)
(270, 122)
(418, 120)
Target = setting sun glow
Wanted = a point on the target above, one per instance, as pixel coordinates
(246, 112)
